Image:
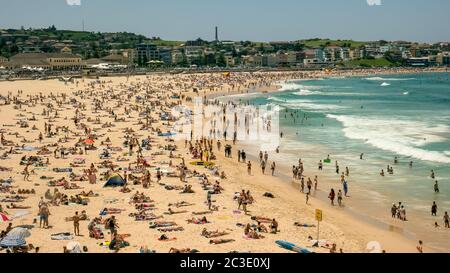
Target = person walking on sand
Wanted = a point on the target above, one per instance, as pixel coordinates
(208, 200)
(309, 185)
(272, 168)
(76, 224)
(111, 224)
(340, 198)
(44, 215)
(345, 186)
(446, 220)
(263, 166)
(316, 182)
(331, 196)
(249, 168)
(420, 247)
(26, 172)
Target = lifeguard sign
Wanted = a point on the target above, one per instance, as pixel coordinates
(319, 219)
(319, 215)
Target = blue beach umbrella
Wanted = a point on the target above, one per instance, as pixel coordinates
(19, 232)
(12, 241)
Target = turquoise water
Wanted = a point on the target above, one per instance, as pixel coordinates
(404, 116)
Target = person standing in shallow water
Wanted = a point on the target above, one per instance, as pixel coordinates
(436, 187)
(434, 209)
(446, 220)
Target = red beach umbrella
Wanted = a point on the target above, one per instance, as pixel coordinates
(89, 142)
(3, 217)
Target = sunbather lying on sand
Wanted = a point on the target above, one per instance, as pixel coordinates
(297, 224)
(221, 241)
(198, 221)
(183, 250)
(107, 211)
(213, 234)
(162, 224)
(14, 206)
(181, 204)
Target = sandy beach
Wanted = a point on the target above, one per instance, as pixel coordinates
(94, 123)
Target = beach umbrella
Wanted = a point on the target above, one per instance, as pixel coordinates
(19, 232)
(89, 142)
(3, 217)
(12, 241)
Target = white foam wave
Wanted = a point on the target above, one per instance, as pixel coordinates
(388, 79)
(305, 104)
(292, 86)
(398, 136)
(306, 92)
(385, 84)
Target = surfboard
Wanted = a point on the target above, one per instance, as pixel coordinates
(292, 247)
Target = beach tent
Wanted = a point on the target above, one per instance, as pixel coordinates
(3, 217)
(115, 181)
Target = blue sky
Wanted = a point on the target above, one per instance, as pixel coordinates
(257, 20)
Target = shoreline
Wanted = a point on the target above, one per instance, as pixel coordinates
(380, 225)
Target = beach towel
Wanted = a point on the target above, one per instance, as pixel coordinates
(62, 170)
(62, 236)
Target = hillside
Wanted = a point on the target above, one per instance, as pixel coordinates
(327, 42)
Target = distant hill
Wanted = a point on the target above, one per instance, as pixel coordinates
(327, 42)
(87, 44)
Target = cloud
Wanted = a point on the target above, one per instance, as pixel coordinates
(73, 2)
(374, 2)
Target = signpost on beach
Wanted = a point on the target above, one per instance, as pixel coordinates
(319, 219)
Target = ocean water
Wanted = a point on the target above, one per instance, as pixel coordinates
(404, 116)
